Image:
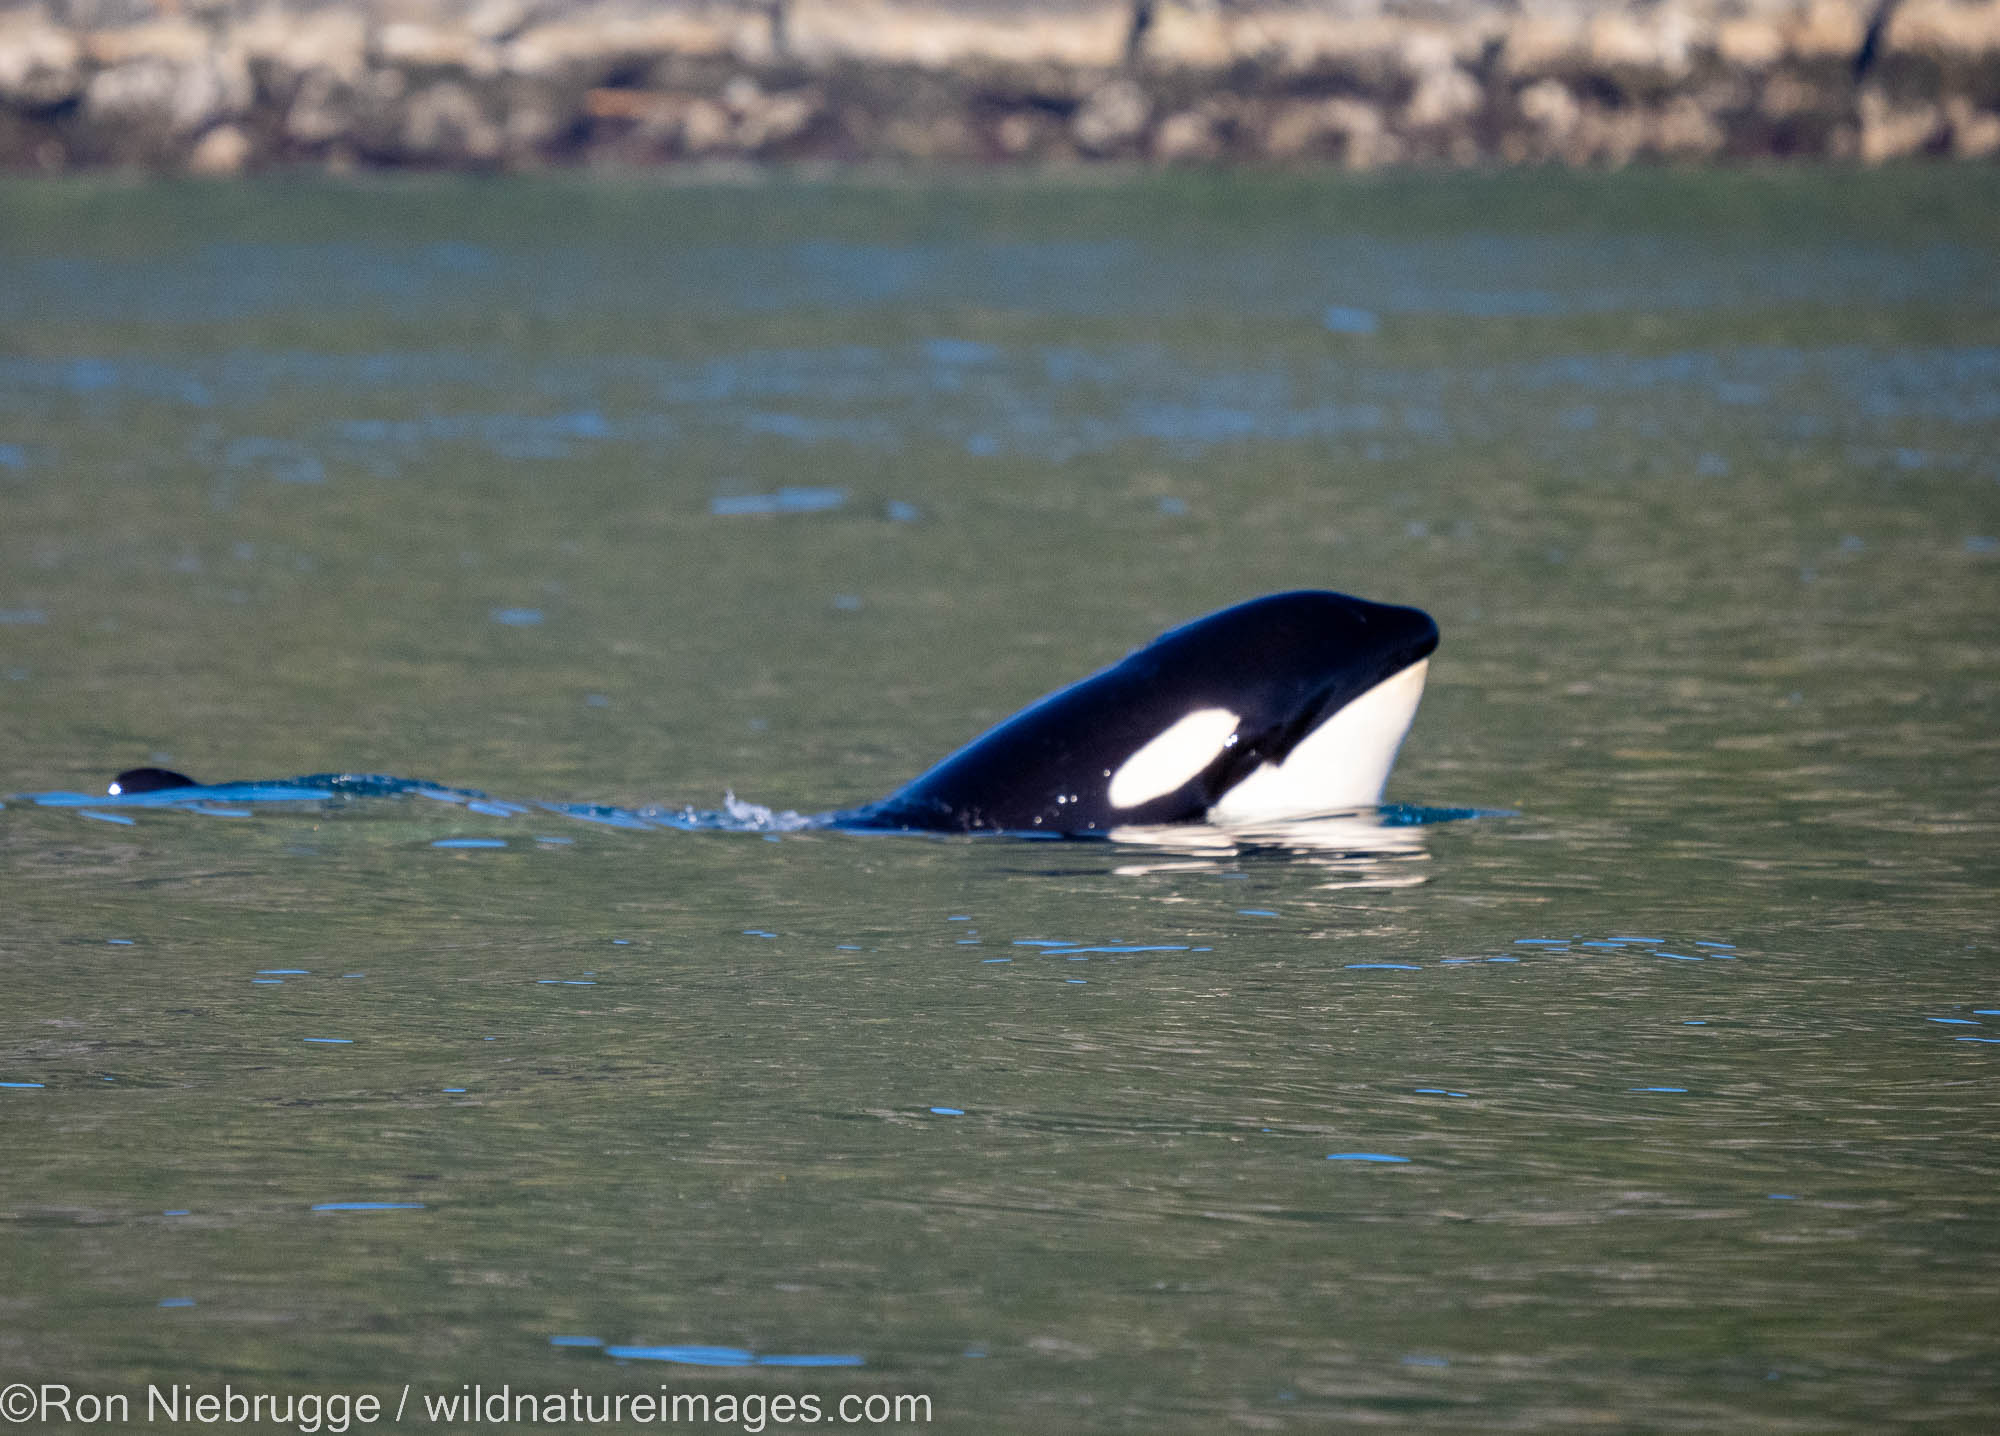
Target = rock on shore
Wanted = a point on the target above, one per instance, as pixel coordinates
(217, 86)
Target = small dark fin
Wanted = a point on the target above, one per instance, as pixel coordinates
(148, 780)
(1871, 41)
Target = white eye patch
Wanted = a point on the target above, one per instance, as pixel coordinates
(1169, 760)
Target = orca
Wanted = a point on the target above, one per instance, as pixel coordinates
(1285, 707)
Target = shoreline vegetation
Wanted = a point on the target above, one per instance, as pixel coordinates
(224, 86)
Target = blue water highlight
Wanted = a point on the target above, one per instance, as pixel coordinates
(726, 1356)
(369, 1207)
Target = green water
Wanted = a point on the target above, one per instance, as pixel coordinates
(1700, 476)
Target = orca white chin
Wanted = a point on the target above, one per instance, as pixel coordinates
(1342, 764)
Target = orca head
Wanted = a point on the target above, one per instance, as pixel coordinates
(1282, 707)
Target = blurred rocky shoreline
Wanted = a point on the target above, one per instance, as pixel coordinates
(219, 86)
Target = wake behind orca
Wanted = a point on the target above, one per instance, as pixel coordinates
(1276, 710)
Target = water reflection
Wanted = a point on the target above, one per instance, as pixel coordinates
(1367, 848)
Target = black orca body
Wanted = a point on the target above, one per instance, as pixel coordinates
(1280, 708)
(1285, 707)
